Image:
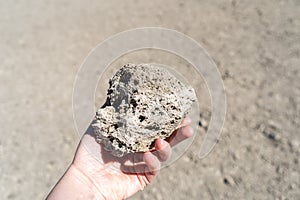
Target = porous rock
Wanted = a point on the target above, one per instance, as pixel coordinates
(144, 102)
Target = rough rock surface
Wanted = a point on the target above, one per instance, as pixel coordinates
(144, 102)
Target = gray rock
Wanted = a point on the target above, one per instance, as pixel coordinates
(144, 102)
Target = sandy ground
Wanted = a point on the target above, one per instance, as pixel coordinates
(256, 45)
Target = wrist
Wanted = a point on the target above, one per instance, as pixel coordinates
(85, 182)
(75, 185)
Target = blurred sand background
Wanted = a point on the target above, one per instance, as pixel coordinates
(256, 45)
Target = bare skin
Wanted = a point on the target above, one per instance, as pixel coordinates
(91, 178)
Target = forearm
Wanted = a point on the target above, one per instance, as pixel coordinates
(74, 185)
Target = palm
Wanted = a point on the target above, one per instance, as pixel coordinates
(119, 178)
(107, 176)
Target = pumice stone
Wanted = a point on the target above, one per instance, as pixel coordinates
(144, 102)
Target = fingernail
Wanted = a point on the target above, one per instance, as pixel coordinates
(161, 142)
(186, 121)
(190, 130)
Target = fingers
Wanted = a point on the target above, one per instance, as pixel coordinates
(163, 150)
(186, 122)
(151, 159)
(184, 132)
(180, 135)
(152, 162)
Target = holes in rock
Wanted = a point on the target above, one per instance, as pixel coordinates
(109, 91)
(172, 122)
(152, 145)
(116, 140)
(116, 126)
(133, 103)
(142, 118)
(107, 103)
(163, 133)
(111, 139)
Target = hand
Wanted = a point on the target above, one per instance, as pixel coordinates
(99, 175)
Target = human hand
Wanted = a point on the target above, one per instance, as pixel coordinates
(99, 175)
